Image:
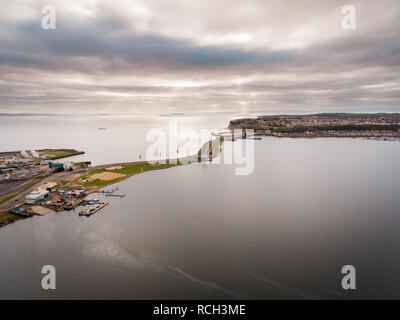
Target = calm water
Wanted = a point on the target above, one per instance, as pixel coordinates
(123, 140)
(200, 231)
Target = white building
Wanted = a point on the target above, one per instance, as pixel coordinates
(45, 164)
(68, 166)
(36, 196)
(24, 154)
(34, 154)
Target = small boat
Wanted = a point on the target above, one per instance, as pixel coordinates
(92, 201)
(82, 213)
(88, 212)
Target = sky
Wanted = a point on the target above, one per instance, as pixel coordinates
(245, 57)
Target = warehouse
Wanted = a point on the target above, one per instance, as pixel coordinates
(36, 196)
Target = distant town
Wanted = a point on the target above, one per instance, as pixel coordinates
(380, 125)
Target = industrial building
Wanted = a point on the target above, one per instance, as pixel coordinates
(36, 196)
(47, 186)
(45, 164)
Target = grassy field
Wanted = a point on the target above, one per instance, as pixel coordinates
(134, 168)
(127, 170)
(216, 146)
(6, 198)
(5, 217)
(58, 152)
(7, 154)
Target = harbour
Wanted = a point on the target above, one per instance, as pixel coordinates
(93, 208)
(225, 248)
(199, 151)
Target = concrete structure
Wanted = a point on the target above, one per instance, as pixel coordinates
(46, 185)
(68, 166)
(36, 196)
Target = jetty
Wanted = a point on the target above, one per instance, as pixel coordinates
(116, 195)
(93, 209)
(22, 212)
(107, 192)
(110, 193)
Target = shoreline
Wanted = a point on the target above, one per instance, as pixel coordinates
(207, 152)
(319, 125)
(211, 149)
(367, 137)
(147, 166)
(13, 218)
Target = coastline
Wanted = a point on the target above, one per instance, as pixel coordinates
(163, 164)
(144, 167)
(9, 219)
(361, 136)
(98, 177)
(323, 125)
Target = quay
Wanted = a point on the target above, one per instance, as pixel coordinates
(93, 209)
(107, 192)
(116, 195)
(21, 212)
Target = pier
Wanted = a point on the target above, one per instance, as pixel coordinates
(107, 192)
(93, 209)
(116, 195)
(110, 193)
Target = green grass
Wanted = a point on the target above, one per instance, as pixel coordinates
(6, 198)
(99, 183)
(5, 216)
(127, 170)
(5, 154)
(63, 182)
(135, 168)
(57, 153)
(216, 146)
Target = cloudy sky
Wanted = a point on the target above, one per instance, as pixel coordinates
(209, 56)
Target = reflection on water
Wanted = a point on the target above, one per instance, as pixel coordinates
(123, 140)
(200, 231)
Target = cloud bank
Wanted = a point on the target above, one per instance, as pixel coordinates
(243, 57)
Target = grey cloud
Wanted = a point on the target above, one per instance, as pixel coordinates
(89, 41)
(109, 52)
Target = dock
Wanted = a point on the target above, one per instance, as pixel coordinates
(110, 193)
(40, 211)
(107, 192)
(93, 209)
(22, 212)
(116, 195)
